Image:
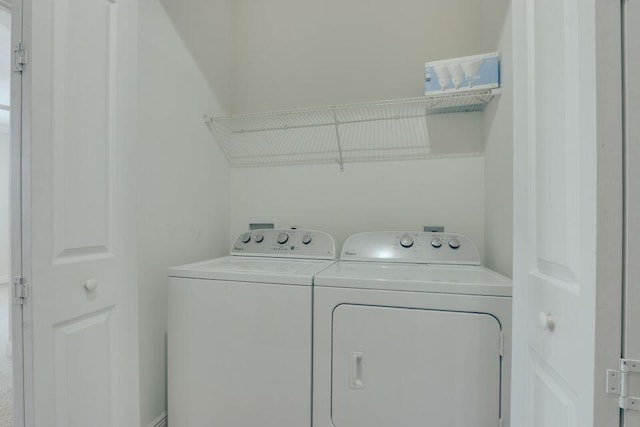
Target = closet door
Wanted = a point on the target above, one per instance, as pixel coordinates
(81, 256)
(632, 264)
(568, 210)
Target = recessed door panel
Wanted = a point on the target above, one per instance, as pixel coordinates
(409, 367)
(556, 175)
(83, 131)
(83, 351)
(551, 401)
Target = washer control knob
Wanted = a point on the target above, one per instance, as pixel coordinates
(436, 242)
(246, 238)
(306, 239)
(282, 238)
(406, 241)
(454, 243)
(259, 238)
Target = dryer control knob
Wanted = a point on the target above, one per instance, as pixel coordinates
(406, 241)
(282, 238)
(454, 243)
(246, 238)
(306, 239)
(436, 242)
(259, 238)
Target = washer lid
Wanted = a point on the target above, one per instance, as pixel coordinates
(254, 269)
(452, 279)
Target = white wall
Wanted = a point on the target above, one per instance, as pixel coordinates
(5, 254)
(183, 203)
(366, 196)
(296, 53)
(498, 118)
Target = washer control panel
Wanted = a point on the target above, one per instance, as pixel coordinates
(411, 247)
(287, 243)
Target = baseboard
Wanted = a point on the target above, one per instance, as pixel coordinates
(161, 421)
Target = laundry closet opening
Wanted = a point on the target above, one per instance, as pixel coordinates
(244, 57)
(268, 56)
(358, 51)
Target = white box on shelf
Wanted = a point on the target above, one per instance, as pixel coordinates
(462, 74)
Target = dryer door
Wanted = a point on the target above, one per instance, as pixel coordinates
(409, 367)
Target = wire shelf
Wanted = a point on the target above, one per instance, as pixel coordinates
(384, 130)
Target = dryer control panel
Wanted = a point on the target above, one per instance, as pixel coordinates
(285, 243)
(411, 247)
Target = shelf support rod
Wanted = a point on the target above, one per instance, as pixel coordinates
(337, 123)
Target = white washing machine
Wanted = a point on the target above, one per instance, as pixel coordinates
(410, 330)
(240, 332)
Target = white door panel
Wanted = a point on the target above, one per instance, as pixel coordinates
(554, 243)
(557, 211)
(551, 400)
(83, 267)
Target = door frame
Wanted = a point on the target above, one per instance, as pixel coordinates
(631, 64)
(610, 205)
(20, 219)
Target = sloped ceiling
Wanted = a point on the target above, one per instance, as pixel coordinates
(207, 26)
(262, 55)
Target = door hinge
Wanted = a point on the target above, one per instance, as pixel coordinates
(618, 381)
(20, 57)
(20, 290)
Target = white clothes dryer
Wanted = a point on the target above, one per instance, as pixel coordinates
(240, 332)
(410, 330)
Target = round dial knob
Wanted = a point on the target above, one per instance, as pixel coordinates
(246, 238)
(306, 239)
(454, 243)
(282, 238)
(436, 242)
(406, 241)
(259, 238)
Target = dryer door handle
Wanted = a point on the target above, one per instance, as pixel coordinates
(356, 370)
